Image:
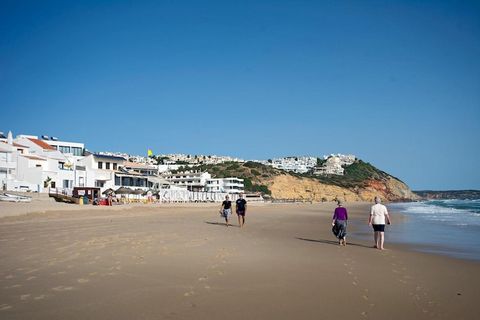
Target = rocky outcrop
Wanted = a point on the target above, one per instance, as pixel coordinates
(308, 189)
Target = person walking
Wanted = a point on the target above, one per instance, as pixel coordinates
(339, 223)
(226, 209)
(241, 209)
(378, 217)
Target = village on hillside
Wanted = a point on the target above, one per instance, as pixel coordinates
(29, 163)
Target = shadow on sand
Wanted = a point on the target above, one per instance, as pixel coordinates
(333, 242)
(219, 224)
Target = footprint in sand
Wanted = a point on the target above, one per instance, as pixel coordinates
(203, 278)
(40, 297)
(189, 293)
(83, 280)
(9, 276)
(5, 307)
(24, 297)
(31, 271)
(62, 288)
(31, 278)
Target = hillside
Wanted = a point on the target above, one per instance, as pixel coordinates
(361, 182)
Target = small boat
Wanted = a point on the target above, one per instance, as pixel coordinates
(8, 197)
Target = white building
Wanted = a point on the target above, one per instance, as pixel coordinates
(143, 168)
(193, 181)
(113, 172)
(197, 159)
(73, 149)
(227, 185)
(100, 170)
(293, 164)
(335, 164)
(41, 167)
(7, 165)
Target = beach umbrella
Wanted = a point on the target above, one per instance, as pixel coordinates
(138, 191)
(124, 190)
(109, 191)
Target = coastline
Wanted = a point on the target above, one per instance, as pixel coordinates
(180, 261)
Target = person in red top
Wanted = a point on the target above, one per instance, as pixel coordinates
(339, 223)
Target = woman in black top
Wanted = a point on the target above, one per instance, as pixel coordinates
(226, 209)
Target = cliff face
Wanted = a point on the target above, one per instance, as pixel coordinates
(361, 182)
(291, 187)
(390, 189)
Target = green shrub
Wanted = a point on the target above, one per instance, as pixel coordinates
(255, 172)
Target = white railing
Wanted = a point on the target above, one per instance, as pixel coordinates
(175, 195)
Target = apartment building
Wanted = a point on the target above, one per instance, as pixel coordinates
(228, 185)
(193, 181)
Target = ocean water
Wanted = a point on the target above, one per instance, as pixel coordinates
(447, 227)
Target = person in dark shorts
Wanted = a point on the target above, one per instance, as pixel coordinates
(241, 209)
(226, 209)
(378, 217)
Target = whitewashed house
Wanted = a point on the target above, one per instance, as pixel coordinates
(193, 181)
(100, 170)
(227, 185)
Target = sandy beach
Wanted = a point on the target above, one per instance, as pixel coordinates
(181, 262)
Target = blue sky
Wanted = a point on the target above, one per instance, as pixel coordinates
(396, 83)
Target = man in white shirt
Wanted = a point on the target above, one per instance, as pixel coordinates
(378, 217)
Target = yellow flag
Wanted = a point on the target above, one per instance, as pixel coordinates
(150, 153)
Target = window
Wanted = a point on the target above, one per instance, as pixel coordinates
(64, 149)
(81, 182)
(99, 183)
(38, 165)
(76, 151)
(107, 165)
(67, 184)
(61, 165)
(100, 165)
(114, 166)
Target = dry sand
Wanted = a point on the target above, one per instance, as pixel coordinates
(181, 262)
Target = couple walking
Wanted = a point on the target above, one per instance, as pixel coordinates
(240, 209)
(378, 217)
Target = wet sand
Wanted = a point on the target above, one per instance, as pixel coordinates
(181, 262)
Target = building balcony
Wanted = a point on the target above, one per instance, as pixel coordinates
(8, 165)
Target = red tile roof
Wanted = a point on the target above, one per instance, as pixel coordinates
(42, 144)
